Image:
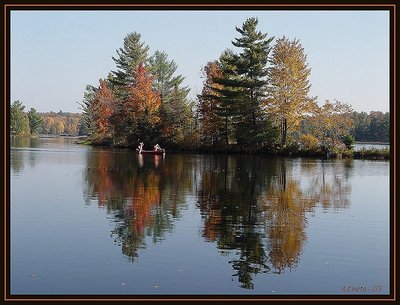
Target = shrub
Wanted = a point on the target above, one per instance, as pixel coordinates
(309, 142)
(349, 141)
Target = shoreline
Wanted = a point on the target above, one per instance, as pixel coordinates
(45, 136)
(366, 154)
(372, 143)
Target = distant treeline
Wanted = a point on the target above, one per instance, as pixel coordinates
(34, 123)
(61, 123)
(372, 127)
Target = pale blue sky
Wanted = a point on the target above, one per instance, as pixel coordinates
(55, 54)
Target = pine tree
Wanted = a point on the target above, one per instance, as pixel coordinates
(229, 96)
(35, 121)
(19, 122)
(133, 53)
(174, 114)
(252, 70)
(362, 122)
(86, 124)
(163, 71)
(241, 88)
(211, 124)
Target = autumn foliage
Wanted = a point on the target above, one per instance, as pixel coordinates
(211, 123)
(144, 100)
(254, 100)
(60, 123)
(103, 109)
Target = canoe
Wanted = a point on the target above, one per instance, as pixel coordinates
(151, 152)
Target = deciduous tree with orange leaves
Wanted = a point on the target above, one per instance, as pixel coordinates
(142, 107)
(143, 99)
(102, 112)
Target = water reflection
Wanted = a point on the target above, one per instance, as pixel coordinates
(157, 160)
(227, 199)
(330, 187)
(140, 193)
(254, 209)
(22, 148)
(17, 161)
(25, 142)
(286, 207)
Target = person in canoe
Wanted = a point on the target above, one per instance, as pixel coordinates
(157, 148)
(140, 147)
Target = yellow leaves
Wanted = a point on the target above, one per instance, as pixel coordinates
(309, 141)
(59, 125)
(333, 119)
(289, 86)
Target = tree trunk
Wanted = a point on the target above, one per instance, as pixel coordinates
(226, 131)
(284, 132)
(253, 114)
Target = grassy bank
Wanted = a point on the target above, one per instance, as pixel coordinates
(372, 153)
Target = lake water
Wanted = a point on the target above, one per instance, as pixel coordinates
(359, 146)
(89, 220)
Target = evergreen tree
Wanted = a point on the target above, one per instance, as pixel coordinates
(133, 53)
(87, 125)
(83, 129)
(230, 97)
(241, 89)
(378, 132)
(386, 127)
(19, 122)
(35, 121)
(163, 71)
(251, 65)
(373, 127)
(211, 124)
(174, 114)
(361, 126)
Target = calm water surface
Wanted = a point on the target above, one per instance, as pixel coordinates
(100, 221)
(359, 146)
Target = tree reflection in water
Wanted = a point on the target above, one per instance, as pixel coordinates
(227, 199)
(253, 208)
(285, 208)
(23, 150)
(137, 193)
(256, 209)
